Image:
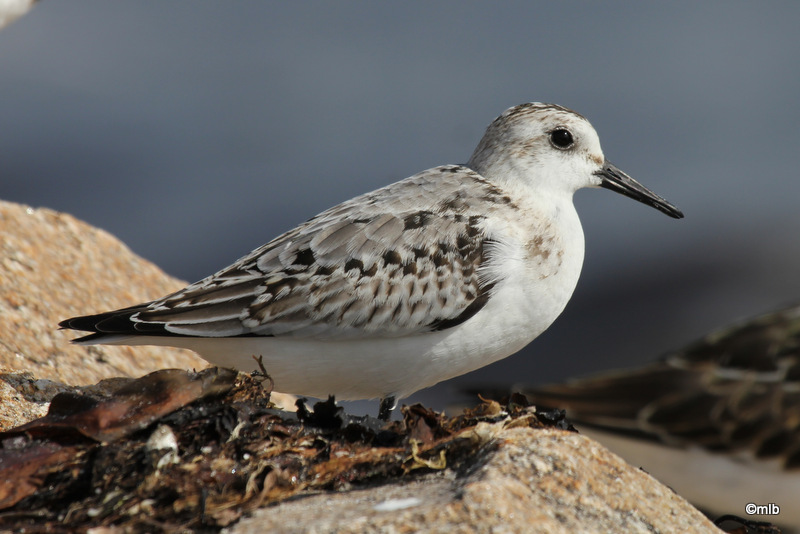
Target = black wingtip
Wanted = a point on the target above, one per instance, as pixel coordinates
(113, 323)
(87, 339)
(66, 324)
(86, 323)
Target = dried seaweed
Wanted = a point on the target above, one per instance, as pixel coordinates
(194, 451)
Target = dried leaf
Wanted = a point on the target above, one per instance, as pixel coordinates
(132, 407)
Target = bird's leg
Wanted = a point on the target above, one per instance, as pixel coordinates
(387, 405)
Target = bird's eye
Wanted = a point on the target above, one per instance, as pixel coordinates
(561, 138)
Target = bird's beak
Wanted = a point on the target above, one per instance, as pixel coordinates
(616, 180)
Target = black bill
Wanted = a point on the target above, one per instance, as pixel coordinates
(616, 180)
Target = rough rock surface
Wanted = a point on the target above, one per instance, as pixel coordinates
(53, 266)
(525, 480)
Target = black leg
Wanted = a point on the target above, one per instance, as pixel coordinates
(387, 405)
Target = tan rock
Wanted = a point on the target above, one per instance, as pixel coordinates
(524, 480)
(53, 266)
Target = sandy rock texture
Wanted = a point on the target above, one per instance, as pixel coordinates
(53, 266)
(524, 480)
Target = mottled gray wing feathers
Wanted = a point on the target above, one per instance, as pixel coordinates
(736, 390)
(401, 260)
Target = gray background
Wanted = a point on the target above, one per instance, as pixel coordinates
(196, 131)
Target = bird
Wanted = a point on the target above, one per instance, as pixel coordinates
(417, 282)
(718, 421)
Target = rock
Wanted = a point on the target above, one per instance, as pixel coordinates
(523, 480)
(54, 267)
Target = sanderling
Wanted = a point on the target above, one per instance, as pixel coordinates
(393, 291)
(719, 422)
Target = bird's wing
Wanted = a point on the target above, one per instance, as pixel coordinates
(736, 390)
(403, 259)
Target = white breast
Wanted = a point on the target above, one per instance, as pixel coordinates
(537, 259)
